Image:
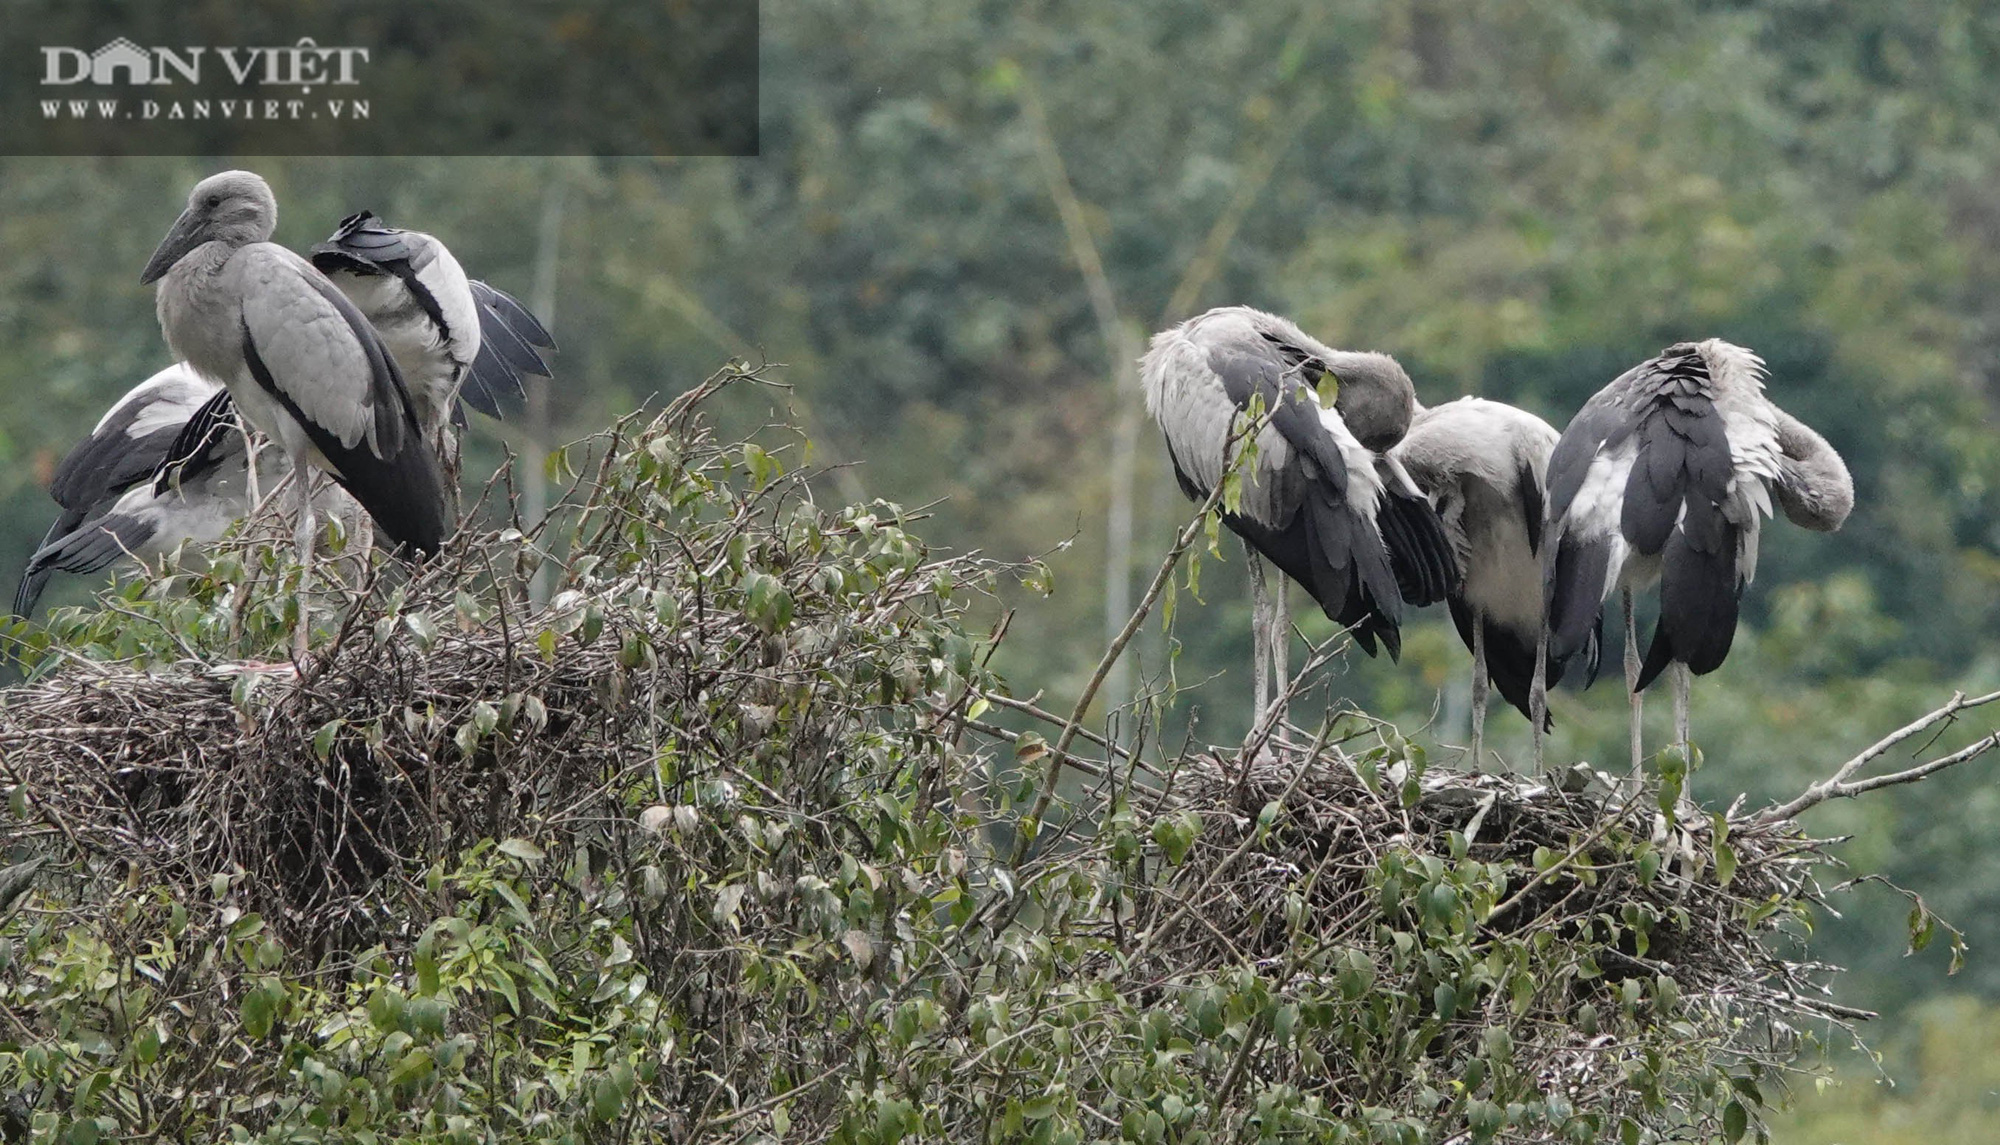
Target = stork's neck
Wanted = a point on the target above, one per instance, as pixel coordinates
(196, 318)
(1345, 362)
(1814, 488)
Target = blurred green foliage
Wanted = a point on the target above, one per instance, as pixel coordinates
(1517, 197)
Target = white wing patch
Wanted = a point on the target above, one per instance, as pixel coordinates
(166, 400)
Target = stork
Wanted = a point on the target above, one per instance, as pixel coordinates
(300, 362)
(105, 484)
(454, 338)
(1323, 500)
(1664, 477)
(1484, 466)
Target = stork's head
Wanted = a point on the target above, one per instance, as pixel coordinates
(235, 208)
(1376, 399)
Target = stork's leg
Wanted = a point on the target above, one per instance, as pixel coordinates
(1632, 678)
(1683, 680)
(362, 531)
(1538, 693)
(250, 448)
(1260, 632)
(1281, 644)
(1480, 682)
(302, 483)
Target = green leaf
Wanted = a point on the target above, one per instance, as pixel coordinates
(322, 740)
(523, 850)
(606, 1100)
(260, 1012)
(1923, 928)
(1328, 389)
(1725, 863)
(415, 1066)
(421, 628)
(1446, 999)
(1735, 1121)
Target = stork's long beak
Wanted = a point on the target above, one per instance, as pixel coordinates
(184, 236)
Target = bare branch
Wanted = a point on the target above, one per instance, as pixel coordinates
(1841, 785)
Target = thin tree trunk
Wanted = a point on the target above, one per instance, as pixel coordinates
(541, 431)
(1121, 347)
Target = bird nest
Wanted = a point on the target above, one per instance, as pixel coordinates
(695, 590)
(1573, 918)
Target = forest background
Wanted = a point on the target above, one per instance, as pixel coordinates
(967, 217)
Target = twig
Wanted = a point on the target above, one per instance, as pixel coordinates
(1838, 786)
(1028, 827)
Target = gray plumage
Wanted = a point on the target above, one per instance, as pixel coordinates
(1314, 502)
(411, 289)
(301, 363)
(1484, 466)
(1665, 476)
(106, 484)
(458, 342)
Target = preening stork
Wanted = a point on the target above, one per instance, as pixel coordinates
(1323, 500)
(105, 484)
(455, 339)
(1665, 476)
(300, 362)
(1484, 466)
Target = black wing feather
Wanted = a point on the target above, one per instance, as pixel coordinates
(1326, 545)
(404, 490)
(35, 577)
(509, 341)
(108, 462)
(200, 446)
(95, 545)
(1528, 491)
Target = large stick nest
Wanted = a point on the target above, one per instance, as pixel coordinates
(1650, 917)
(438, 706)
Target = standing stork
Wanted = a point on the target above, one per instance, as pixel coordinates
(1665, 476)
(455, 339)
(1484, 465)
(1322, 501)
(300, 362)
(105, 484)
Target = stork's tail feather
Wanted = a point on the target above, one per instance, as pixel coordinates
(1354, 577)
(36, 576)
(405, 495)
(510, 344)
(1510, 657)
(1332, 551)
(1592, 657)
(1573, 596)
(1700, 594)
(1419, 552)
(86, 548)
